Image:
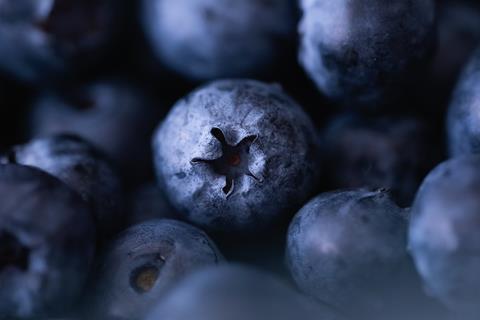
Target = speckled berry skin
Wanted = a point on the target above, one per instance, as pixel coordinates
(236, 156)
(359, 51)
(389, 152)
(219, 38)
(348, 249)
(42, 39)
(444, 238)
(115, 116)
(43, 266)
(463, 123)
(83, 168)
(236, 292)
(144, 262)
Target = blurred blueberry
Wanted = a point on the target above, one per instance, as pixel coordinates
(149, 202)
(45, 38)
(115, 116)
(144, 262)
(383, 152)
(348, 249)
(236, 292)
(81, 167)
(236, 156)
(359, 52)
(444, 238)
(463, 117)
(46, 243)
(208, 39)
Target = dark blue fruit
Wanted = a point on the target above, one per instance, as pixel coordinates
(235, 292)
(236, 155)
(348, 249)
(144, 262)
(444, 238)
(46, 243)
(357, 51)
(383, 152)
(219, 38)
(46, 38)
(83, 168)
(115, 116)
(463, 116)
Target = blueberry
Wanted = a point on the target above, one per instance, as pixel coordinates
(381, 152)
(149, 202)
(46, 243)
(348, 249)
(463, 122)
(81, 167)
(235, 292)
(115, 116)
(236, 156)
(219, 38)
(444, 238)
(358, 52)
(44, 38)
(144, 262)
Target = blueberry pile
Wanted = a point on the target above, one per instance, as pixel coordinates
(239, 159)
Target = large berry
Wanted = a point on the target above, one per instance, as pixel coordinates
(236, 155)
(144, 262)
(444, 238)
(46, 243)
(219, 38)
(348, 248)
(358, 51)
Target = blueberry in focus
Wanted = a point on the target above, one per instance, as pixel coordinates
(208, 39)
(49, 38)
(444, 238)
(236, 156)
(379, 152)
(235, 292)
(144, 262)
(46, 243)
(360, 52)
(83, 168)
(348, 249)
(463, 116)
(116, 117)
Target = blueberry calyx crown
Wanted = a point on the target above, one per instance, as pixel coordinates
(12, 252)
(233, 163)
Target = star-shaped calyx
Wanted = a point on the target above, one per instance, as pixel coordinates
(234, 161)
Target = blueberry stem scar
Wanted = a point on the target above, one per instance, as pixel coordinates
(12, 252)
(233, 163)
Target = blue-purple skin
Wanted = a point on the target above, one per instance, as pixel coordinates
(83, 168)
(236, 292)
(46, 243)
(444, 239)
(358, 52)
(144, 262)
(219, 38)
(47, 38)
(348, 249)
(381, 152)
(463, 124)
(116, 117)
(236, 156)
